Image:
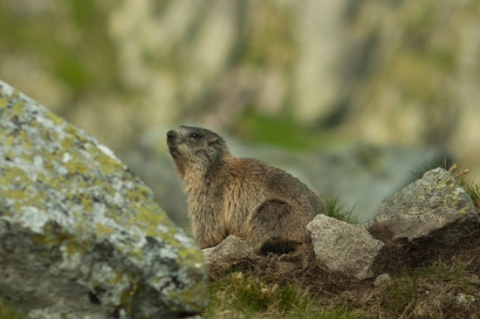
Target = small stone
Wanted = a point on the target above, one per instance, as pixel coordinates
(382, 280)
(343, 247)
(463, 298)
(231, 250)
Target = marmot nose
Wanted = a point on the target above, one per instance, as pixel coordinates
(171, 135)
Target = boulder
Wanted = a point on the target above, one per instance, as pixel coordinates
(343, 248)
(434, 207)
(80, 236)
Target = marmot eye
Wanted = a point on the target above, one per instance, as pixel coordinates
(195, 135)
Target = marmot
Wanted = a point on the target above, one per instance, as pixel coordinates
(266, 206)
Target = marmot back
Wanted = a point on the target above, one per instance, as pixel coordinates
(239, 196)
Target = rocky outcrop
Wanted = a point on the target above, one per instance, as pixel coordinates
(434, 207)
(344, 248)
(80, 236)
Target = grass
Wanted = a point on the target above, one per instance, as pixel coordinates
(473, 190)
(237, 295)
(8, 312)
(438, 291)
(341, 211)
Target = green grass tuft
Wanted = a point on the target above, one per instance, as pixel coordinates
(473, 190)
(9, 312)
(341, 211)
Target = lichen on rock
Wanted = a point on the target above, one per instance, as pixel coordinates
(434, 207)
(79, 234)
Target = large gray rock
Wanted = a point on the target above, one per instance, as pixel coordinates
(80, 236)
(344, 248)
(433, 207)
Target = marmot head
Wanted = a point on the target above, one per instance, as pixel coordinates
(196, 149)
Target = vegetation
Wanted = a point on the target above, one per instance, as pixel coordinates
(437, 291)
(473, 190)
(237, 295)
(282, 131)
(8, 312)
(340, 211)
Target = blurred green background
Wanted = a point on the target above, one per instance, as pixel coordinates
(302, 74)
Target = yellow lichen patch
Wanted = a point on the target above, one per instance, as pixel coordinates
(18, 108)
(76, 247)
(67, 144)
(52, 237)
(136, 253)
(55, 119)
(77, 167)
(200, 288)
(104, 229)
(70, 130)
(12, 174)
(47, 240)
(126, 298)
(190, 254)
(3, 103)
(9, 140)
(109, 165)
(87, 203)
(149, 221)
(16, 194)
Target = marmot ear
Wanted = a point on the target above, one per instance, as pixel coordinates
(213, 140)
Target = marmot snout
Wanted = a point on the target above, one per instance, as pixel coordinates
(239, 196)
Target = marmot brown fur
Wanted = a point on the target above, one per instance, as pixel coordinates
(245, 197)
